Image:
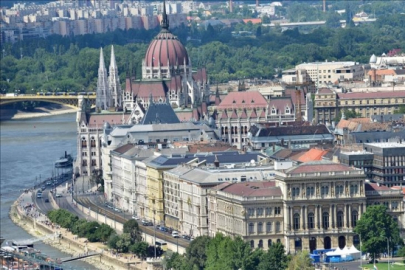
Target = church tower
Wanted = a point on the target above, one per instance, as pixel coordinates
(102, 85)
(114, 83)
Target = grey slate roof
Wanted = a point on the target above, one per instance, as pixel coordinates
(160, 113)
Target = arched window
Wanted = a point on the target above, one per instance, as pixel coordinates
(260, 245)
(295, 191)
(269, 243)
(278, 226)
(311, 220)
(296, 221)
(251, 228)
(278, 241)
(268, 227)
(339, 219)
(310, 191)
(252, 243)
(325, 220)
(92, 142)
(84, 143)
(355, 216)
(339, 190)
(353, 189)
(260, 227)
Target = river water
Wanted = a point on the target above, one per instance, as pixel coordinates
(29, 149)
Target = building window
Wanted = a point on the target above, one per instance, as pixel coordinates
(310, 191)
(93, 162)
(92, 142)
(339, 219)
(259, 212)
(269, 243)
(251, 212)
(268, 227)
(311, 221)
(251, 228)
(260, 245)
(296, 221)
(355, 216)
(260, 227)
(394, 205)
(84, 143)
(278, 226)
(324, 190)
(268, 211)
(353, 189)
(84, 163)
(325, 220)
(252, 243)
(295, 191)
(339, 190)
(277, 210)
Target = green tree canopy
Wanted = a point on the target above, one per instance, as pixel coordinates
(375, 228)
(132, 228)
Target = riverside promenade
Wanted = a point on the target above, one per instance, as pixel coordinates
(26, 215)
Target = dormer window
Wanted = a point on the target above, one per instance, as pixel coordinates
(287, 110)
(243, 101)
(273, 110)
(234, 101)
(252, 101)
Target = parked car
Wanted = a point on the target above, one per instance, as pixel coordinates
(43, 187)
(58, 195)
(135, 217)
(48, 183)
(46, 200)
(117, 210)
(175, 234)
(163, 228)
(147, 223)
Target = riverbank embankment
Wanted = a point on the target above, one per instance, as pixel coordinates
(68, 243)
(9, 113)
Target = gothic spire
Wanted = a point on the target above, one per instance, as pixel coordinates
(113, 63)
(165, 21)
(102, 64)
(102, 85)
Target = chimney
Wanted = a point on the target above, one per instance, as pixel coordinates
(216, 162)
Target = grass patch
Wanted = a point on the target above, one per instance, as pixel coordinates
(384, 266)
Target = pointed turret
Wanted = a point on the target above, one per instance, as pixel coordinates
(114, 83)
(102, 85)
(165, 20)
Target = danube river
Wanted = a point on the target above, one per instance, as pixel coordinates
(29, 149)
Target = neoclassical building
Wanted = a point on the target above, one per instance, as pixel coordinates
(314, 205)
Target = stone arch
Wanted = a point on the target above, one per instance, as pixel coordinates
(327, 243)
(342, 242)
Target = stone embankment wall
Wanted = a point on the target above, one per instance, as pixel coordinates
(65, 244)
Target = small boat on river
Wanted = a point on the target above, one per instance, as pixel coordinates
(64, 162)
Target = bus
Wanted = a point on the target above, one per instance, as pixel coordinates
(161, 244)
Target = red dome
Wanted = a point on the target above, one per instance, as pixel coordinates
(166, 47)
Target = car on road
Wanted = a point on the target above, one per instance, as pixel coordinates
(135, 217)
(46, 200)
(186, 237)
(43, 187)
(39, 195)
(117, 210)
(175, 234)
(163, 229)
(147, 223)
(48, 183)
(58, 195)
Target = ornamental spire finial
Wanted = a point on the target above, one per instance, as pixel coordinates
(165, 21)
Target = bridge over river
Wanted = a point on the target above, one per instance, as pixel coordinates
(71, 101)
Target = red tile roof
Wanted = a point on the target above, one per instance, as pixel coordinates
(280, 104)
(375, 187)
(320, 167)
(325, 91)
(144, 89)
(312, 155)
(98, 120)
(250, 99)
(253, 21)
(387, 94)
(251, 189)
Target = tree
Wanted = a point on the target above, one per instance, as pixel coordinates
(300, 261)
(112, 241)
(103, 232)
(274, 258)
(140, 249)
(132, 228)
(196, 252)
(124, 242)
(375, 227)
(401, 109)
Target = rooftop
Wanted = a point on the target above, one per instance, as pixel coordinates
(387, 144)
(319, 167)
(251, 189)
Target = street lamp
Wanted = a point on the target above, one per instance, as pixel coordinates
(388, 250)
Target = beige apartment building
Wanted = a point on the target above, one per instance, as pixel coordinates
(328, 103)
(324, 72)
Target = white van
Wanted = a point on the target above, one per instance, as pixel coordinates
(175, 234)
